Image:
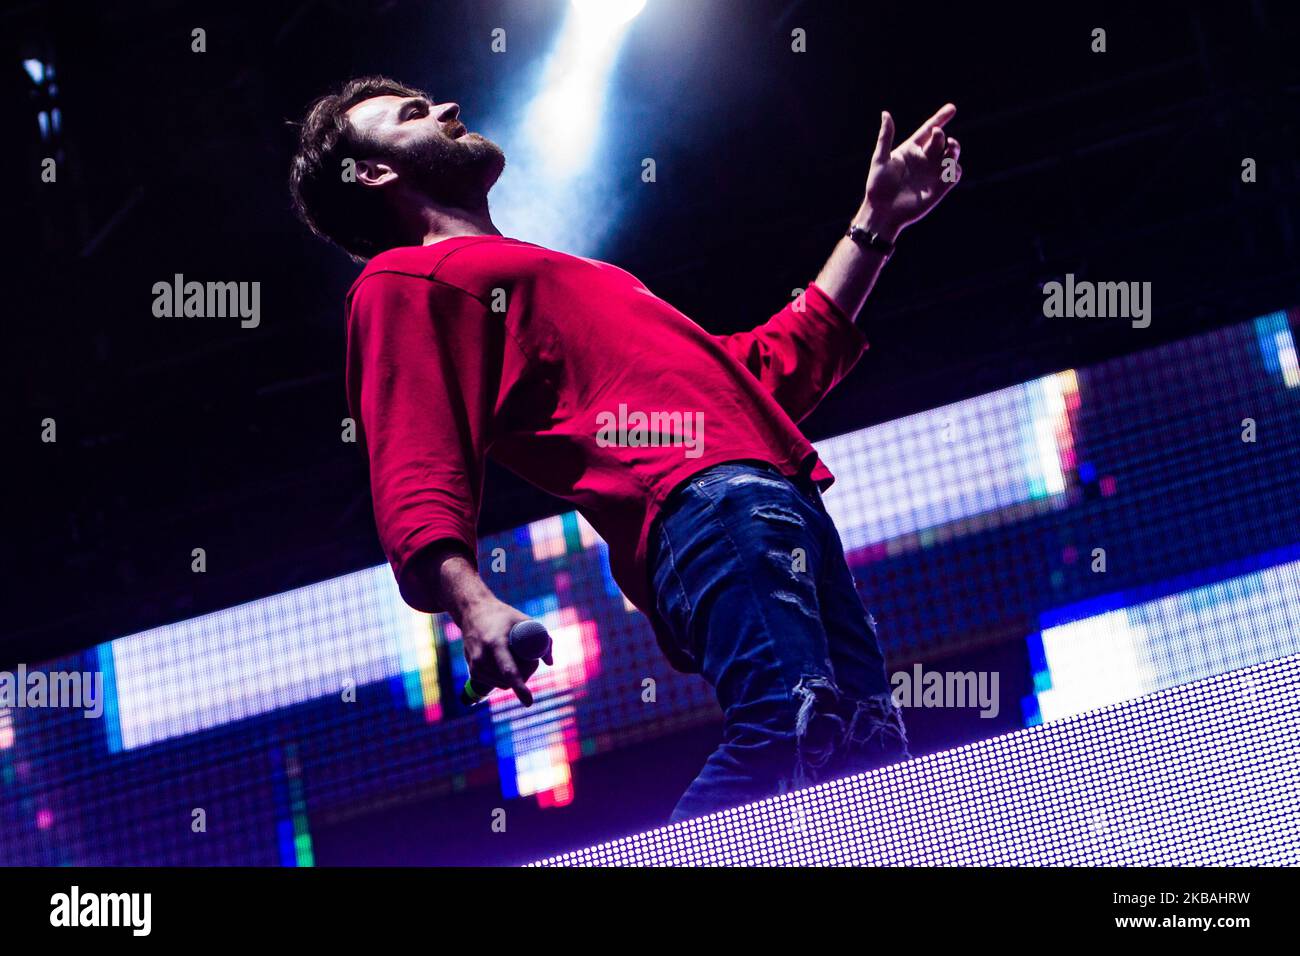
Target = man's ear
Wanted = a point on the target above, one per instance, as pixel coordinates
(371, 172)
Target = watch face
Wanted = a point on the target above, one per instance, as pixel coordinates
(869, 240)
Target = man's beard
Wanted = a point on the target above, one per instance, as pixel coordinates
(453, 172)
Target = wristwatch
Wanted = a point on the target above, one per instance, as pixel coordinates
(870, 241)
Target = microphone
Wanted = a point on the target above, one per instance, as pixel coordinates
(528, 641)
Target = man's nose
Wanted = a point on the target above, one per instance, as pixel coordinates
(448, 112)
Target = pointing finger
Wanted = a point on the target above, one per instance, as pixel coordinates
(510, 674)
(944, 114)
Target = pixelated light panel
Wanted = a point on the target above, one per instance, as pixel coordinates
(975, 521)
(317, 641)
(991, 459)
(972, 521)
(1122, 646)
(1206, 774)
(265, 655)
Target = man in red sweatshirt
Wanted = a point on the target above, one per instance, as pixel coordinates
(679, 447)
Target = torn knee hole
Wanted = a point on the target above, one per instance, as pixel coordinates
(819, 728)
(876, 719)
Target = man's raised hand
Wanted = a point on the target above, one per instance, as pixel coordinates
(908, 180)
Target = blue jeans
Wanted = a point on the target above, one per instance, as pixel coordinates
(751, 580)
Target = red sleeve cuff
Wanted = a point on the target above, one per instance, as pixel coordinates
(412, 573)
(826, 305)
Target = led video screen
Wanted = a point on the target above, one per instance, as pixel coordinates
(1128, 527)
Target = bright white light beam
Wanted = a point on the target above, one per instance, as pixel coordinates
(552, 191)
(562, 121)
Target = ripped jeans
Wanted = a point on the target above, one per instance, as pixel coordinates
(751, 580)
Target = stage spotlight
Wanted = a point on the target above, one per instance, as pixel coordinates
(564, 116)
(612, 13)
(554, 147)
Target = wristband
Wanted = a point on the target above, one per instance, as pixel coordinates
(870, 241)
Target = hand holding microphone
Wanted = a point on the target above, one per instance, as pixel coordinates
(516, 659)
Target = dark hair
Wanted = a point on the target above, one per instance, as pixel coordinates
(355, 218)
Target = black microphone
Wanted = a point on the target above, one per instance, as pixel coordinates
(528, 641)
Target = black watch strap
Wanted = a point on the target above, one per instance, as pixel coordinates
(870, 241)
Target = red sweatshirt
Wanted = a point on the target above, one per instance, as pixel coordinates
(483, 345)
